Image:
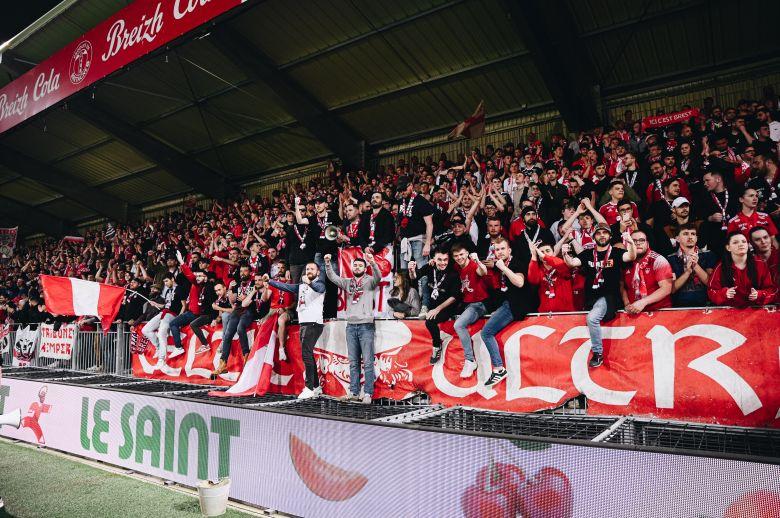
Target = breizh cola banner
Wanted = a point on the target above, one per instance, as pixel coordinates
(309, 466)
(131, 33)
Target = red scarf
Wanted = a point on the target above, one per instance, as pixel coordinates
(356, 288)
(638, 280)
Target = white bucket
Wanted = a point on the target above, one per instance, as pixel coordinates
(213, 497)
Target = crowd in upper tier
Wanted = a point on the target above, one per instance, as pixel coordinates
(693, 209)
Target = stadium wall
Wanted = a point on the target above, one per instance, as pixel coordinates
(312, 466)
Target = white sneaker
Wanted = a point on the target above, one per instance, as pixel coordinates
(282, 354)
(204, 348)
(423, 313)
(468, 369)
(307, 393)
(176, 352)
(366, 399)
(349, 396)
(317, 391)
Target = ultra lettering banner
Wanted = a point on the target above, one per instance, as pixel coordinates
(131, 33)
(667, 119)
(8, 241)
(718, 366)
(57, 343)
(314, 467)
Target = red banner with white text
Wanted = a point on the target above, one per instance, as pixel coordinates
(131, 33)
(667, 119)
(720, 366)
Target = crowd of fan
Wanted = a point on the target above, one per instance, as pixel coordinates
(693, 208)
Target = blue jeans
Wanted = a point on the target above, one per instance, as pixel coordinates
(594, 318)
(177, 323)
(360, 344)
(471, 314)
(421, 260)
(500, 318)
(237, 323)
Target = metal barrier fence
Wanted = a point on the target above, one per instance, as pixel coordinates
(92, 351)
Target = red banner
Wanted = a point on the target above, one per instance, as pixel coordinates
(667, 119)
(384, 260)
(136, 30)
(720, 366)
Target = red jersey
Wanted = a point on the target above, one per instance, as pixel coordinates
(610, 212)
(473, 287)
(744, 223)
(280, 298)
(644, 277)
(518, 225)
(220, 269)
(767, 291)
(555, 290)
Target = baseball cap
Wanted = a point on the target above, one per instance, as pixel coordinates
(601, 226)
(457, 219)
(679, 201)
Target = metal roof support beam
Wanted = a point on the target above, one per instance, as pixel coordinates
(550, 34)
(37, 219)
(65, 184)
(201, 178)
(327, 128)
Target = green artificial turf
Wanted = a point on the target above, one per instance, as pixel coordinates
(37, 484)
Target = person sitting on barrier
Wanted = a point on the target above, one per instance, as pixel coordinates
(647, 283)
(360, 293)
(691, 267)
(311, 296)
(474, 290)
(444, 287)
(741, 279)
(602, 283)
(404, 299)
(198, 285)
(156, 328)
(207, 312)
(553, 278)
(247, 303)
(282, 303)
(513, 304)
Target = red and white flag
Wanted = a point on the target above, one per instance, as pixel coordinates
(473, 127)
(75, 297)
(73, 239)
(256, 376)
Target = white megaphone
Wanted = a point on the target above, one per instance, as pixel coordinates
(12, 418)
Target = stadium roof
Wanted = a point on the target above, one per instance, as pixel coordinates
(274, 84)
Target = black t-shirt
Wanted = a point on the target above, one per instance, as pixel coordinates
(610, 273)
(521, 300)
(414, 225)
(296, 254)
(317, 226)
(442, 284)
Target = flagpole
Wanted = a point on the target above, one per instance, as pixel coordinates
(133, 291)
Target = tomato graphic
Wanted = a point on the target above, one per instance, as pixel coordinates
(495, 492)
(547, 495)
(322, 478)
(756, 504)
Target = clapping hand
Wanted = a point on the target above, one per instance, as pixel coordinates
(731, 293)
(753, 294)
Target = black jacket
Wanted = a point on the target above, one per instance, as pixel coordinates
(384, 230)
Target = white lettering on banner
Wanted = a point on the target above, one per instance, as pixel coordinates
(119, 38)
(514, 388)
(579, 366)
(178, 13)
(483, 368)
(709, 365)
(44, 85)
(15, 107)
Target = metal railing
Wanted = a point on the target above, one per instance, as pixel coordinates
(92, 351)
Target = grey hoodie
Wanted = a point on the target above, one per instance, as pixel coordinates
(362, 311)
